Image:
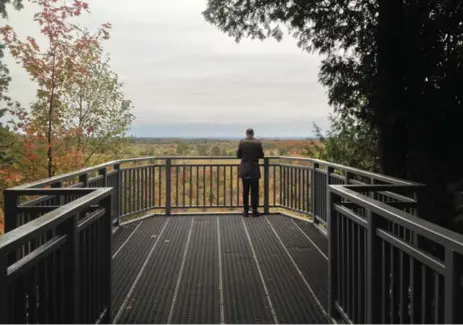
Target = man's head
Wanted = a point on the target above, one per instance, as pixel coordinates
(250, 132)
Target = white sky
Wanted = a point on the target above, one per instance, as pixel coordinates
(186, 78)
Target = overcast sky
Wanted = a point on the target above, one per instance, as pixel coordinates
(186, 78)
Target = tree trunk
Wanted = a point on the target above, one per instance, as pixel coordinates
(390, 117)
(50, 120)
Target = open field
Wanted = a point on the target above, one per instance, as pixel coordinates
(210, 147)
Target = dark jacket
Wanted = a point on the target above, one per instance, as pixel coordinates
(249, 151)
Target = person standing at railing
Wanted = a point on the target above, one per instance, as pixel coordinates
(250, 151)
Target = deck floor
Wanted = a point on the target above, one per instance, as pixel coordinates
(219, 269)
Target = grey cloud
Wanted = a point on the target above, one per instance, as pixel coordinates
(182, 74)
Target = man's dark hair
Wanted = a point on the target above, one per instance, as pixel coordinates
(250, 132)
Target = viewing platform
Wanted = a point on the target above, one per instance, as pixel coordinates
(160, 240)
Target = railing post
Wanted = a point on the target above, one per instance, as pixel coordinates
(107, 204)
(313, 200)
(84, 179)
(71, 270)
(117, 194)
(4, 290)
(333, 285)
(61, 199)
(266, 185)
(374, 266)
(325, 209)
(348, 177)
(168, 186)
(452, 287)
(11, 210)
(104, 172)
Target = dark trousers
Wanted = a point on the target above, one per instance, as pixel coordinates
(253, 185)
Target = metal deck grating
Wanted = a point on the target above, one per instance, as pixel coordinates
(219, 269)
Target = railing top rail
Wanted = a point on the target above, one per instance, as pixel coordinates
(62, 177)
(49, 220)
(357, 171)
(425, 228)
(83, 171)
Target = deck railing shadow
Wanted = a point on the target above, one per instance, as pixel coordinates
(377, 243)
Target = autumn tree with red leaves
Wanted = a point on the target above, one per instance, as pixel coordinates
(53, 68)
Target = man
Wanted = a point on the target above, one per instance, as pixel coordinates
(249, 151)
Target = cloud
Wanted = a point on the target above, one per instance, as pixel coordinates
(184, 76)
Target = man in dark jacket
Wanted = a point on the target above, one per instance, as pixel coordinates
(249, 151)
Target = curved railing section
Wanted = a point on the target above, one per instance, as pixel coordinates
(166, 185)
(385, 263)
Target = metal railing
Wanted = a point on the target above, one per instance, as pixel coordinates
(375, 239)
(170, 185)
(56, 267)
(387, 265)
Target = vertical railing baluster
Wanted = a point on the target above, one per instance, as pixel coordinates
(231, 186)
(204, 186)
(324, 216)
(118, 193)
(4, 299)
(314, 197)
(177, 173)
(274, 203)
(224, 186)
(373, 269)
(107, 265)
(160, 187)
(238, 182)
(211, 196)
(145, 187)
(266, 185)
(168, 186)
(218, 185)
(11, 210)
(129, 186)
(197, 186)
(293, 187)
(280, 184)
(149, 187)
(287, 189)
(452, 287)
(191, 185)
(184, 185)
(71, 269)
(139, 183)
(333, 237)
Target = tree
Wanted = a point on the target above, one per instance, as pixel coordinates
(216, 151)
(97, 115)
(349, 142)
(395, 65)
(52, 69)
(17, 4)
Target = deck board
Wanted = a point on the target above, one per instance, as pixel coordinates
(315, 235)
(127, 264)
(151, 299)
(121, 235)
(244, 296)
(292, 299)
(315, 268)
(178, 270)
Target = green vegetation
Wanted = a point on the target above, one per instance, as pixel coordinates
(394, 67)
